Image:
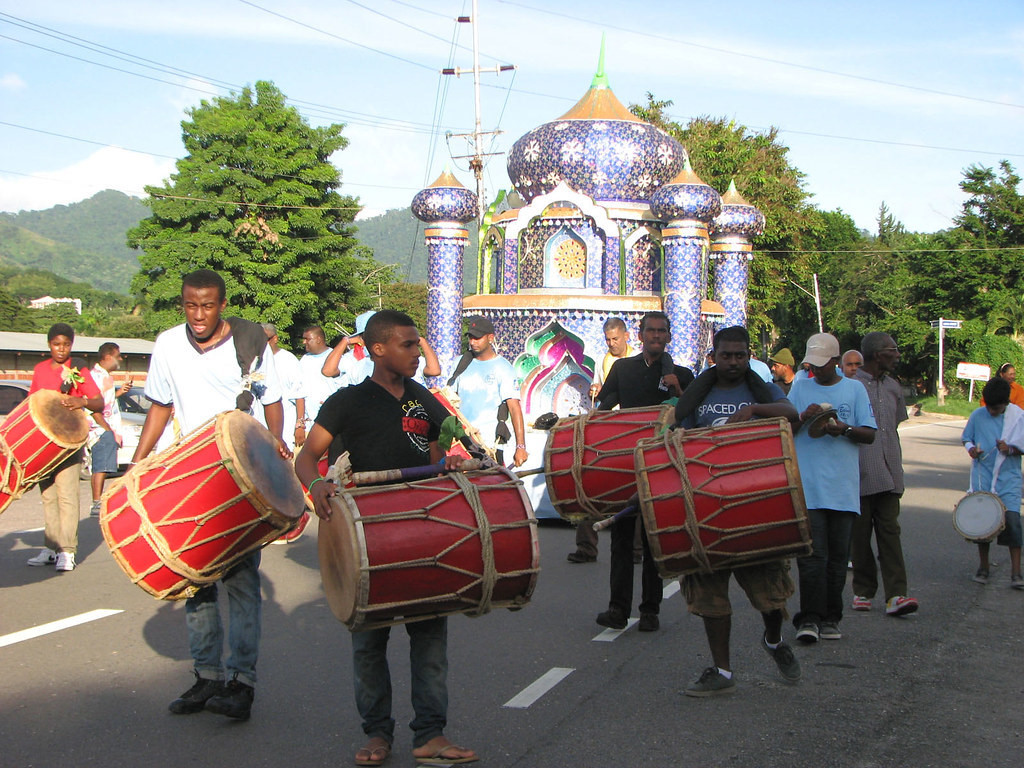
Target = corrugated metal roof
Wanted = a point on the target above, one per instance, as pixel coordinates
(36, 342)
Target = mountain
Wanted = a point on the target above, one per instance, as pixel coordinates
(81, 241)
(396, 237)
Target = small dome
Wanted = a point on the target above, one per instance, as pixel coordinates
(738, 217)
(686, 197)
(598, 148)
(445, 200)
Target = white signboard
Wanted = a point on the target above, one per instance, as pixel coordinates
(973, 371)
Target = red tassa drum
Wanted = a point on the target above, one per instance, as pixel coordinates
(180, 519)
(722, 497)
(36, 436)
(459, 543)
(588, 460)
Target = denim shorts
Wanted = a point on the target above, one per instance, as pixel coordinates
(104, 453)
(1010, 536)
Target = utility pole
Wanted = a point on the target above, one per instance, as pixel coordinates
(817, 299)
(476, 159)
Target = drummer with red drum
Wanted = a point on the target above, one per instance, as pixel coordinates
(389, 421)
(60, 490)
(196, 370)
(727, 393)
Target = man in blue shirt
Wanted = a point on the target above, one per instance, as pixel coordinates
(830, 472)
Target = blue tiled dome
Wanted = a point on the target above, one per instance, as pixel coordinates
(445, 200)
(738, 217)
(598, 148)
(686, 197)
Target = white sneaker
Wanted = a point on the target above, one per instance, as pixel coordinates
(45, 557)
(65, 561)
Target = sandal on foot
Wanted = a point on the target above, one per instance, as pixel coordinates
(438, 758)
(373, 753)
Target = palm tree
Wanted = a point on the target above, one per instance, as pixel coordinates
(1008, 319)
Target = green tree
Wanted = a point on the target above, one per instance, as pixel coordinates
(256, 200)
(13, 316)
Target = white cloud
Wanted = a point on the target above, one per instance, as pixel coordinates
(107, 168)
(12, 82)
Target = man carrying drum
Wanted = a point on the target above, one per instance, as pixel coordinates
(635, 382)
(60, 490)
(389, 421)
(725, 394)
(196, 369)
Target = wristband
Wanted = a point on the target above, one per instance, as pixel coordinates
(520, 446)
(310, 486)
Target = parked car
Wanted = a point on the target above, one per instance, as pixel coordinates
(12, 392)
(134, 406)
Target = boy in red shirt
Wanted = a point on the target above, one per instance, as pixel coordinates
(61, 506)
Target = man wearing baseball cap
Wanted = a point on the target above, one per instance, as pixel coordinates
(830, 474)
(489, 391)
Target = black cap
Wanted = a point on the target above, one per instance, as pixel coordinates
(478, 326)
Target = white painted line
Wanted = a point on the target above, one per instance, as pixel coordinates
(56, 626)
(610, 634)
(670, 590)
(538, 687)
(30, 530)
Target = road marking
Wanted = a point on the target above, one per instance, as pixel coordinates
(30, 530)
(538, 687)
(671, 590)
(56, 626)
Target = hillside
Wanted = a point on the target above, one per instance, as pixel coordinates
(396, 237)
(81, 241)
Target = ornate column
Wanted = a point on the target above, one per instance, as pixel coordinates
(688, 205)
(445, 206)
(731, 252)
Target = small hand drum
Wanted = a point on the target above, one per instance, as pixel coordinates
(979, 517)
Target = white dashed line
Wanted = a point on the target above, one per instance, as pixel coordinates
(610, 634)
(538, 688)
(671, 589)
(56, 626)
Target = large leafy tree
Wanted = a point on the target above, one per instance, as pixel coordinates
(255, 199)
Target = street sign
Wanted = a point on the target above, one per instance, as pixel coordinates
(943, 323)
(973, 371)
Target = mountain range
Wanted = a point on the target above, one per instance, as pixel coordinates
(85, 241)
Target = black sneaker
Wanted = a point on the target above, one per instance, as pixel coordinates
(194, 699)
(789, 667)
(611, 618)
(711, 683)
(580, 557)
(649, 622)
(235, 701)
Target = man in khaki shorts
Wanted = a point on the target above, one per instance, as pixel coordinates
(728, 393)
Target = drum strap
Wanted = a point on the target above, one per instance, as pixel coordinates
(578, 447)
(490, 572)
(5, 478)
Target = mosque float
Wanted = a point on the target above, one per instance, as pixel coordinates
(608, 219)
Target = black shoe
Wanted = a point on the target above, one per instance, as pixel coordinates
(194, 699)
(580, 557)
(236, 701)
(648, 622)
(611, 618)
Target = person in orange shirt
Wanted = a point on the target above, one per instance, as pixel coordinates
(1008, 372)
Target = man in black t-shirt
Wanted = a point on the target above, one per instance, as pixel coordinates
(388, 421)
(635, 382)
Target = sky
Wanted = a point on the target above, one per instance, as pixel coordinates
(876, 101)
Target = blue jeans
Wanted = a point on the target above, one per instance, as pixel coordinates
(206, 635)
(428, 656)
(823, 572)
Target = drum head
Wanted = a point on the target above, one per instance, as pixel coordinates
(979, 516)
(67, 428)
(341, 552)
(253, 451)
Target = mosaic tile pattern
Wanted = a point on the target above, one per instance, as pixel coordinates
(684, 289)
(731, 275)
(605, 159)
(679, 202)
(444, 299)
(744, 220)
(644, 273)
(437, 204)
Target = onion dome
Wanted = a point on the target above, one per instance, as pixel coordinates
(686, 197)
(445, 200)
(738, 217)
(598, 148)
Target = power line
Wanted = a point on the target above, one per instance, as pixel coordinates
(649, 34)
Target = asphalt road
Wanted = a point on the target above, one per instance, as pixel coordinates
(938, 688)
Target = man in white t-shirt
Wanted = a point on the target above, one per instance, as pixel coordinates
(317, 386)
(195, 370)
(487, 383)
(105, 433)
(289, 373)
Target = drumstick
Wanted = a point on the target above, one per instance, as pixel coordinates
(409, 473)
(632, 509)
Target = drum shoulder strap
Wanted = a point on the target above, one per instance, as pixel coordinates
(250, 343)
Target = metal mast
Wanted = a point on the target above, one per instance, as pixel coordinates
(476, 159)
